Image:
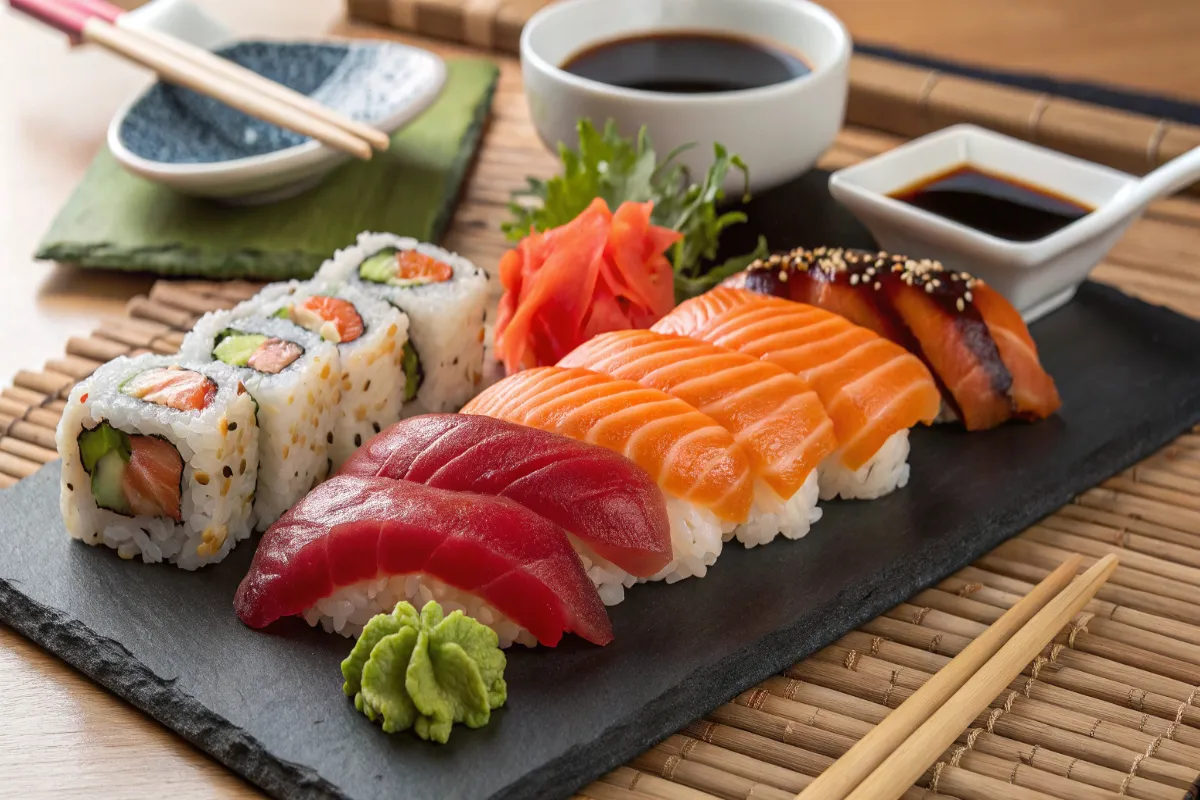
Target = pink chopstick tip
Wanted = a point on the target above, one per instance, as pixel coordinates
(68, 19)
(98, 8)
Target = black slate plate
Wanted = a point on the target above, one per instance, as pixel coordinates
(270, 707)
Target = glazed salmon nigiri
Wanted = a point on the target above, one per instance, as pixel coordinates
(872, 388)
(705, 476)
(776, 417)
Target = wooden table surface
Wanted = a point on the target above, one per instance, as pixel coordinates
(61, 735)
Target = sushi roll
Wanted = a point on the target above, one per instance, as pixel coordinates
(293, 376)
(872, 389)
(356, 546)
(776, 417)
(445, 297)
(705, 476)
(613, 512)
(160, 458)
(371, 336)
(971, 338)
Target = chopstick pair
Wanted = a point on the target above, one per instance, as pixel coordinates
(195, 68)
(896, 752)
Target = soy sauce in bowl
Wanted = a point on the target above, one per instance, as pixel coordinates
(681, 62)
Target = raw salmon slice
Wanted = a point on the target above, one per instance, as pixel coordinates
(152, 479)
(335, 311)
(173, 387)
(871, 387)
(776, 417)
(688, 453)
(417, 268)
(274, 356)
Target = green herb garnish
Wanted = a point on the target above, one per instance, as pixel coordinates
(617, 169)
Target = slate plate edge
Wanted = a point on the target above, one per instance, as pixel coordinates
(111, 665)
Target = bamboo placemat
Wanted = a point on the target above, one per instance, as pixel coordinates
(1111, 709)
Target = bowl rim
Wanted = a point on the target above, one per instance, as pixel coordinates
(947, 232)
(802, 8)
(297, 157)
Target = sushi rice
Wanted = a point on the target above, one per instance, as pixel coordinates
(372, 378)
(885, 472)
(697, 536)
(771, 515)
(298, 408)
(348, 609)
(218, 446)
(446, 319)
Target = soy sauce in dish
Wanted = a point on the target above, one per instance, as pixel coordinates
(995, 204)
(681, 62)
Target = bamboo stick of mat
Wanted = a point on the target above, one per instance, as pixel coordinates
(919, 751)
(874, 748)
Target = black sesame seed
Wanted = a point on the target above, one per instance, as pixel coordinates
(375, 425)
(329, 437)
(367, 385)
(70, 488)
(358, 440)
(227, 471)
(233, 426)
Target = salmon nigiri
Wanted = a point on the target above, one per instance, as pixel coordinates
(612, 511)
(872, 388)
(355, 546)
(970, 337)
(776, 417)
(704, 474)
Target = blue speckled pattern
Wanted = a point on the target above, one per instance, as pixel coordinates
(368, 82)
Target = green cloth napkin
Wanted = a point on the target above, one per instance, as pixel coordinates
(117, 221)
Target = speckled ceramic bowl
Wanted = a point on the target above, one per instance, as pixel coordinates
(201, 147)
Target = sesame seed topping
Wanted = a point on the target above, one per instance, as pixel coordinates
(961, 305)
(878, 286)
(854, 279)
(783, 275)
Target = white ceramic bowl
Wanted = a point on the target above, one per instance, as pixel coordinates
(779, 130)
(1036, 277)
(155, 137)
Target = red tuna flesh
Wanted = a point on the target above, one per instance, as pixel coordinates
(605, 500)
(352, 529)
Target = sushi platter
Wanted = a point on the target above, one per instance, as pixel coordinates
(472, 520)
(168, 640)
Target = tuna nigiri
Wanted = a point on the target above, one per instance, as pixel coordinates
(704, 474)
(776, 417)
(612, 510)
(355, 546)
(872, 389)
(970, 337)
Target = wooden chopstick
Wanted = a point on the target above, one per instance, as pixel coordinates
(874, 748)
(172, 67)
(910, 760)
(217, 65)
(181, 71)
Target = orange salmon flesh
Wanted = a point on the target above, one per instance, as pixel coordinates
(871, 387)
(688, 453)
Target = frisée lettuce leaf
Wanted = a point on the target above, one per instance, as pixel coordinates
(609, 166)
